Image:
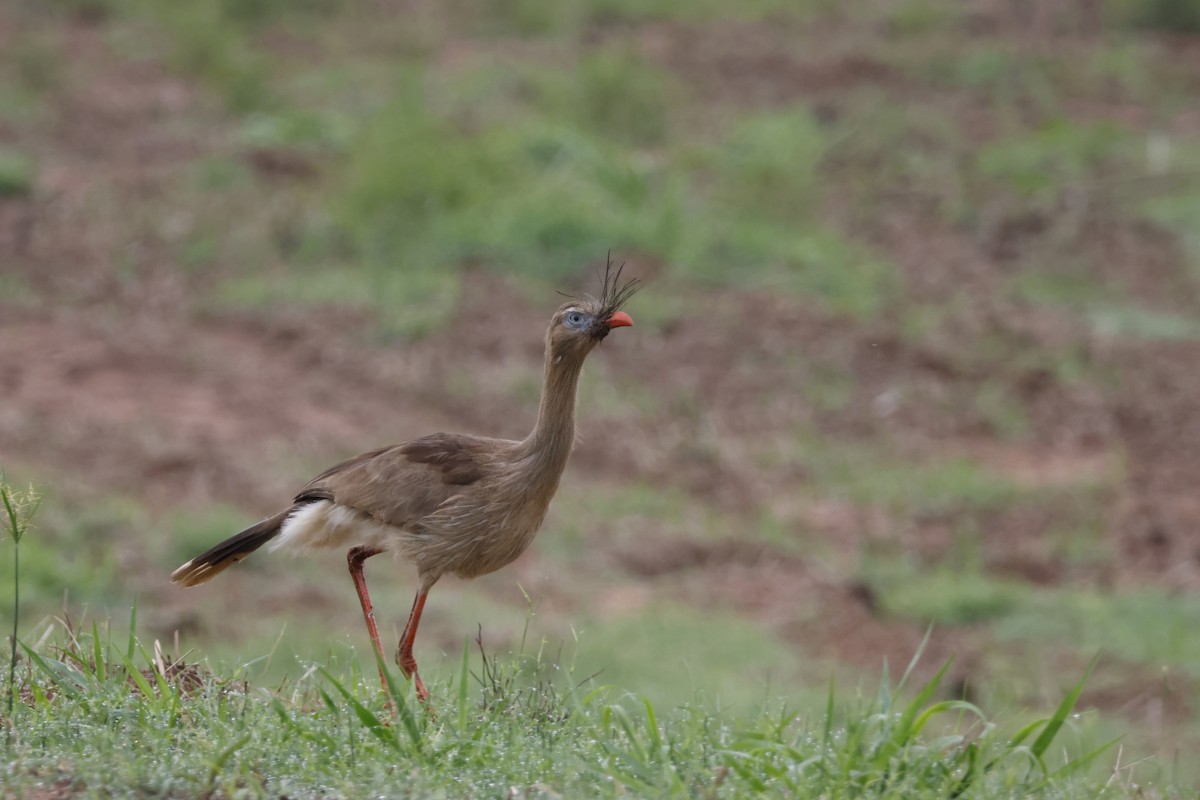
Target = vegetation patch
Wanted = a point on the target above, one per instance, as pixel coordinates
(16, 174)
(169, 727)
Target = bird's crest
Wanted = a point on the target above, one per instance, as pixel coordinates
(613, 293)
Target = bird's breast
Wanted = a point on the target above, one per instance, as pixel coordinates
(495, 537)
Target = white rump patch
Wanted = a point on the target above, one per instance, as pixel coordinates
(326, 524)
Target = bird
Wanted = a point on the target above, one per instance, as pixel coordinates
(449, 503)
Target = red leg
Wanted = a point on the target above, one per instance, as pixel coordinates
(355, 559)
(404, 655)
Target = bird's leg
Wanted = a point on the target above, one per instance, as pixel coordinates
(404, 654)
(355, 559)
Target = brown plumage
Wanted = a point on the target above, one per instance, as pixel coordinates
(449, 503)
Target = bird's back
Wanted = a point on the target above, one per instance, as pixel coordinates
(448, 502)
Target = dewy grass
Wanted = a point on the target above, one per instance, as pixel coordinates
(99, 717)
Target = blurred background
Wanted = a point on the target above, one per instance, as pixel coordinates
(918, 341)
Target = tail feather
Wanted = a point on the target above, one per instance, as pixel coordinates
(213, 562)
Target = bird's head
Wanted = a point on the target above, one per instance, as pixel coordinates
(581, 324)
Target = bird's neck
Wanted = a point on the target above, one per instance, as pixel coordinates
(549, 443)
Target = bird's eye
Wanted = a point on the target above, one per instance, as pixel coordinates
(575, 319)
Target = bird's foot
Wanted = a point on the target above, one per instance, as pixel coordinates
(423, 695)
(408, 666)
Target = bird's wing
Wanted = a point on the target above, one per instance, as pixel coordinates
(403, 483)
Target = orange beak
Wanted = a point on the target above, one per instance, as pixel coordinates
(620, 320)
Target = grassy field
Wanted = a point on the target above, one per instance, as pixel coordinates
(917, 346)
(92, 721)
(97, 717)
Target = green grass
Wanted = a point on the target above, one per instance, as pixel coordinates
(98, 716)
(210, 40)
(320, 132)
(674, 654)
(920, 17)
(718, 709)
(1037, 165)
(16, 174)
(407, 301)
(1146, 626)
(1069, 284)
(17, 292)
(1133, 323)
(530, 138)
(629, 511)
(1175, 210)
(539, 173)
(1002, 411)
(541, 196)
(73, 546)
(703, 10)
(951, 596)
(870, 475)
(537, 163)
(1170, 16)
(616, 95)
(532, 170)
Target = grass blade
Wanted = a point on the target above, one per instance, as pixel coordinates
(139, 680)
(1043, 741)
(1024, 733)
(912, 664)
(319, 736)
(402, 706)
(367, 717)
(905, 731)
(214, 769)
(65, 678)
(131, 646)
(1080, 763)
(99, 666)
(652, 726)
(325, 698)
(462, 686)
(946, 705)
(828, 732)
